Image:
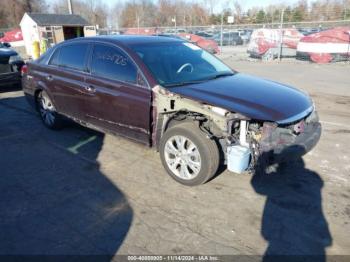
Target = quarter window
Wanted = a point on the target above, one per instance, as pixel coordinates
(70, 56)
(54, 58)
(111, 63)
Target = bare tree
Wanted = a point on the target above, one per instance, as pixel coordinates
(238, 12)
(11, 12)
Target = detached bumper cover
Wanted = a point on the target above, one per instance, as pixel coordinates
(282, 143)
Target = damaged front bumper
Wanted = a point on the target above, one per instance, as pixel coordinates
(281, 143)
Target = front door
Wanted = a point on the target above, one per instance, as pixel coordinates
(119, 101)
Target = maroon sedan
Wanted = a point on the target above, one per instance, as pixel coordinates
(173, 96)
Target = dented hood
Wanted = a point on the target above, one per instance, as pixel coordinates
(253, 97)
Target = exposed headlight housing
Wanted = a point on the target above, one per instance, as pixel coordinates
(219, 110)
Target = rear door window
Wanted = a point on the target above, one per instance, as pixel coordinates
(112, 63)
(71, 56)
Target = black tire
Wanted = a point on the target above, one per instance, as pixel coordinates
(207, 148)
(48, 115)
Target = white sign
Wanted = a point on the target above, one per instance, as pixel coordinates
(230, 19)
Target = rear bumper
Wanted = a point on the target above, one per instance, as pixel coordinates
(10, 79)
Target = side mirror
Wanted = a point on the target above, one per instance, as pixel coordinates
(6, 44)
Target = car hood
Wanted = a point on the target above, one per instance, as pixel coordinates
(253, 97)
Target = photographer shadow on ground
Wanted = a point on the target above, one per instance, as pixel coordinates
(54, 197)
(293, 222)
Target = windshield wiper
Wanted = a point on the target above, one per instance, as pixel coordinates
(185, 83)
(200, 80)
(220, 75)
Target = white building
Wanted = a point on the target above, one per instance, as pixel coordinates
(55, 28)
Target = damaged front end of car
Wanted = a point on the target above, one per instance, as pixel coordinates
(244, 143)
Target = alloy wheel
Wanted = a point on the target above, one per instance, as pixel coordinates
(47, 110)
(182, 157)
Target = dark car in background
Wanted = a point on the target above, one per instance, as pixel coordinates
(175, 97)
(229, 38)
(204, 34)
(309, 31)
(10, 66)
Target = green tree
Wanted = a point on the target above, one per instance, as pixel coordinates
(214, 19)
(276, 16)
(346, 13)
(297, 16)
(260, 17)
(287, 17)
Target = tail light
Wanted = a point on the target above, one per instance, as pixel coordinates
(24, 70)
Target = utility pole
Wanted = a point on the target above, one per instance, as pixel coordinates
(349, 48)
(281, 36)
(70, 7)
(222, 23)
(138, 24)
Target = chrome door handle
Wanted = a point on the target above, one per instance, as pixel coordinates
(90, 89)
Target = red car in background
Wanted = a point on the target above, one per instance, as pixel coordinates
(264, 42)
(207, 44)
(326, 46)
(12, 36)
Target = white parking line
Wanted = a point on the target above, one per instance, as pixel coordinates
(335, 124)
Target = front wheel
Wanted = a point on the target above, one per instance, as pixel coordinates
(188, 155)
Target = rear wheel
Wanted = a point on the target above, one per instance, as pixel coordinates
(48, 114)
(188, 155)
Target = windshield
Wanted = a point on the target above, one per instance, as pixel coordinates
(179, 63)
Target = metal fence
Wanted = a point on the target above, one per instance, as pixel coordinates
(281, 33)
(217, 28)
(223, 35)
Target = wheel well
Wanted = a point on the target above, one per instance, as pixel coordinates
(36, 95)
(205, 125)
(181, 117)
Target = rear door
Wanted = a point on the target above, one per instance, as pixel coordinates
(120, 98)
(65, 78)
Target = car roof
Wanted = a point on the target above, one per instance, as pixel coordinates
(129, 39)
(7, 52)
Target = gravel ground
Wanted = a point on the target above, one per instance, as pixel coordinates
(77, 191)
